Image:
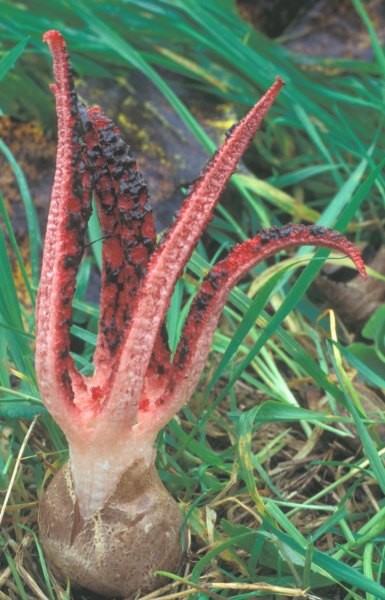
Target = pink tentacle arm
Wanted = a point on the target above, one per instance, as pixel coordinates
(128, 229)
(169, 259)
(61, 386)
(202, 321)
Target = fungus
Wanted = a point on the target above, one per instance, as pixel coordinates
(106, 521)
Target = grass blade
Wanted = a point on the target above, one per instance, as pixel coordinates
(9, 59)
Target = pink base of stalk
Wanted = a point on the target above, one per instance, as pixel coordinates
(97, 465)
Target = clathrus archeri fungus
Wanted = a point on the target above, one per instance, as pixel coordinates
(106, 521)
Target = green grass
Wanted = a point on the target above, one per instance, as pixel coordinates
(278, 494)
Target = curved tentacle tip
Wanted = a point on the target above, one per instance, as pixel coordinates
(53, 36)
(362, 268)
(279, 81)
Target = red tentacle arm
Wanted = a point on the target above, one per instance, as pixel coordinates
(128, 233)
(196, 339)
(129, 238)
(169, 259)
(61, 386)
